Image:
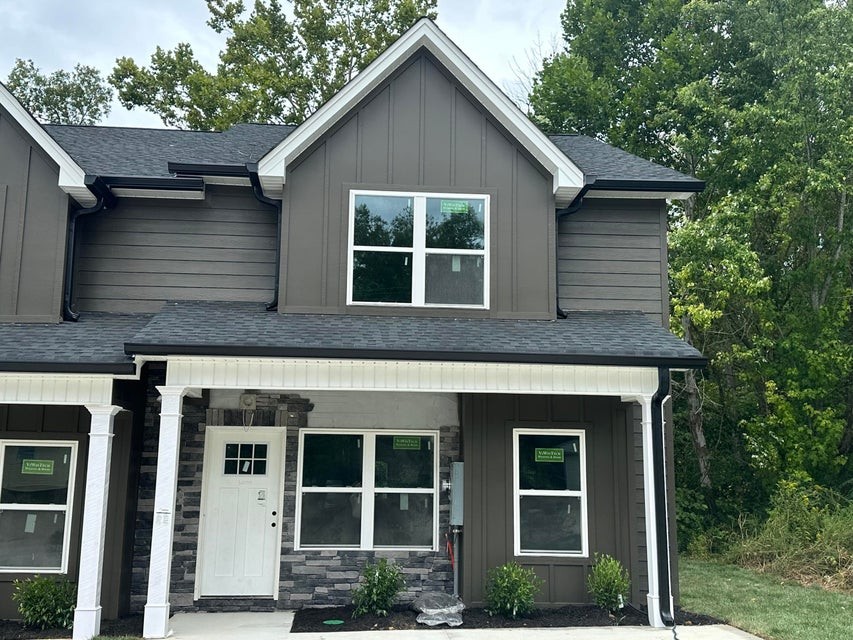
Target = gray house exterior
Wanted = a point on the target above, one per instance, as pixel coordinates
(235, 367)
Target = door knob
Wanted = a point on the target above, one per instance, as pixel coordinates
(273, 525)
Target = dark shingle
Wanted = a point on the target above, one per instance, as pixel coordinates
(94, 344)
(585, 337)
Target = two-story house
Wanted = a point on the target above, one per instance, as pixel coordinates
(235, 367)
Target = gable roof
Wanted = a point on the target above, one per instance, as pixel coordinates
(71, 175)
(568, 179)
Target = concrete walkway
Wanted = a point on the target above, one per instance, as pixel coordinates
(276, 625)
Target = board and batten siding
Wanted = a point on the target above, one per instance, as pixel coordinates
(612, 256)
(420, 131)
(145, 252)
(33, 215)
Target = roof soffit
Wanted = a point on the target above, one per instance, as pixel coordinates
(567, 177)
(71, 175)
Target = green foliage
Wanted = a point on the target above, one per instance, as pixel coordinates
(808, 537)
(379, 587)
(608, 583)
(511, 590)
(45, 603)
(80, 96)
(281, 61)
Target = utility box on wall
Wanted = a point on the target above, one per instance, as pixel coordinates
(457, 491)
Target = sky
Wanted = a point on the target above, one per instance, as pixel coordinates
(57, 34)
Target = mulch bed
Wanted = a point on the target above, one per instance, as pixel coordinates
(14, 630)
(311, 620)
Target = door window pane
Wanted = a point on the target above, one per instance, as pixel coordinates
(35, 474)
(31, 539)
(332, 460)
(382, 277)
(404, 461)
(383, 221)
(331, 519)
(454, 279)
(549, 462)
(550, 523)
(245, 459)
(455, 223)
(403, 520)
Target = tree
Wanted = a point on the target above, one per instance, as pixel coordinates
(756, 99)
(80, 96)
(279, 64)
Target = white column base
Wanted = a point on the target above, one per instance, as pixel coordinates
(653, 602)
(87, 623)
(156, 621)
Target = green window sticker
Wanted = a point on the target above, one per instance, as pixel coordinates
(407, 443)
(37, 467)
(543, 454)
(454, 206)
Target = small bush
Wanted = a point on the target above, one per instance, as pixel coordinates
(511, 589)
(608, 583)
(45, 603)
(381, 583)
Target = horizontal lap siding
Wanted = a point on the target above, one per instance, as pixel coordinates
(144, 253)
(612, 256)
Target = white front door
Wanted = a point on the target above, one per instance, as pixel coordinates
(240, 536)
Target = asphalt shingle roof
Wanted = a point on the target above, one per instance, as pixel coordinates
(128, 152)
(237, 328)
(94, 344)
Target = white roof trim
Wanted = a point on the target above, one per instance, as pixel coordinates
(71, 175)
(55, 388)
(311, 374)
(568, 178)
(639, 195)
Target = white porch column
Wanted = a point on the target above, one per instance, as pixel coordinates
(653, 597)
(87, 614)
(156, 621)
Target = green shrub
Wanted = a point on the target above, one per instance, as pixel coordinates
(45, 603)
(608, 583)
(511, 589)
(381, 583)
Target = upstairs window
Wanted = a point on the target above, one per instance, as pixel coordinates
(418, 249)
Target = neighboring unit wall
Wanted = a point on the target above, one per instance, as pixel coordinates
(612, 256)
(420, 131)
(614, 490)
(145, 252)
(37, 422)
(33, 217)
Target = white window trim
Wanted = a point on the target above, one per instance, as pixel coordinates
(67, 507)
(367, 489)
(419, 249)
(517, 493)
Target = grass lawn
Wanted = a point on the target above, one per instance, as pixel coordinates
(764, 605)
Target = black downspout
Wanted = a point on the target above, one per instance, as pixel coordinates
(257, 189)
(574, 206)
(661, 504)
(105, 200)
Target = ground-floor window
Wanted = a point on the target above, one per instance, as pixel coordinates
(367, 490)
(36, 492)
(550, 492)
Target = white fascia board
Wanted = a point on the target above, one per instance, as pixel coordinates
(310, 374)
(640, 195)
(167, 194)
(55, 388)
(568, 178)
(71, 174)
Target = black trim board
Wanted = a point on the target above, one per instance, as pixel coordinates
(194, 169)
(647, 185)
(119, 368)
(163, 184)
(388, 354)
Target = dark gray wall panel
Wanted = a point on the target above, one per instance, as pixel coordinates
(145, 252)
(418, 132)
(612, 256)
(615, 507)
(33, 215)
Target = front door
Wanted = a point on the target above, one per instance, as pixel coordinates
(240, 537)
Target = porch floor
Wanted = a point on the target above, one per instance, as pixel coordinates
(275, 625)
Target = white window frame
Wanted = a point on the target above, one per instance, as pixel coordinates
(517, 492)
(66, 508)
(419, 250)
(367, 490)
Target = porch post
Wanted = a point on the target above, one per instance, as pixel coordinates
(87, 614)
(156, 620)
(653, 597)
